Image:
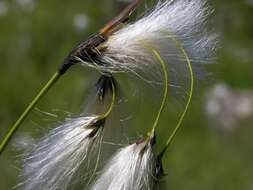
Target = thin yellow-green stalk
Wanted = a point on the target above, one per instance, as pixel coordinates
(29, 108)
(179, 124)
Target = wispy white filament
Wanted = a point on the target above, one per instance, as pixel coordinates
(132, 168)
(55, 159)
(185, 20)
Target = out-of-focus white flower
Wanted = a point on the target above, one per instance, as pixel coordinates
(27, 5)
(3, 8)
(132, 168)
(249, 2)
(56, 158)
(227, 107)
(80, 22)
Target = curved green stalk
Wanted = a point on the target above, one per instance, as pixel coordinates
(179, 124)
(108, 112)
(30, 107)
(151, 133)
(165, 93)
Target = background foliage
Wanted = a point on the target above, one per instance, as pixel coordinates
(36, 35)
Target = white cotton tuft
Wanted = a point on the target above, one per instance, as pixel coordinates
(57, 158)
(132, 168)
(184, 20)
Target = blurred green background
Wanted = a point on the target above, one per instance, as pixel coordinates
(214, 150)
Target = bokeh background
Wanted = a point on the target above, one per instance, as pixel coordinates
(214, 150)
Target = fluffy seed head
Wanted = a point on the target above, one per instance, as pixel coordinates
(57, 157)
(185, 20)
(132, 168)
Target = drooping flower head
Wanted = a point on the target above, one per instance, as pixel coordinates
(131, 168)
(57, 157)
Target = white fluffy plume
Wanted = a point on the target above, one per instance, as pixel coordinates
(56, 158)
(132, 168)
(184, 20)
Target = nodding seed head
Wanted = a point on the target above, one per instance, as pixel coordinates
(57, 157)
(131, 168)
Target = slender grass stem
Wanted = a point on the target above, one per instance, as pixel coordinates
(179, 124)
(165, 92)
(108, 112)
(29, 108)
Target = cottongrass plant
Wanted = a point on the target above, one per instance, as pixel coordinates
(169, 42)
(120, 47)
(56, 159)
(184, 20)
(131, 168)
(136, 167)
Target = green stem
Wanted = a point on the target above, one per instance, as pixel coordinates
(30, 107)
(179, 124)
(165, 93)
(108, 112)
